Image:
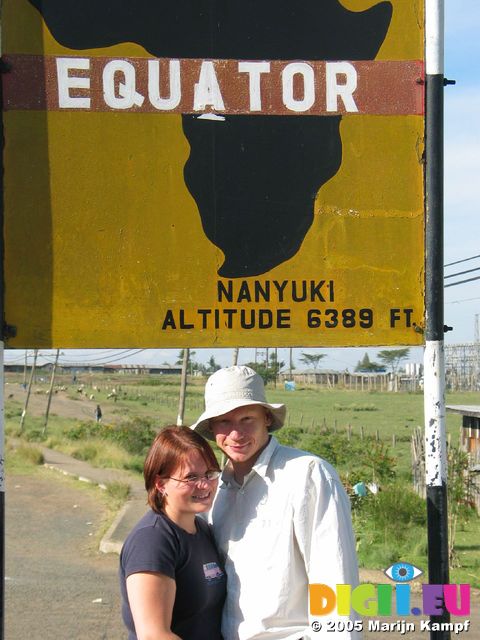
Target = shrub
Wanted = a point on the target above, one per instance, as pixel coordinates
(13, 430)
(135, 435)
(35, 435)
(135, 463)
(83, 430)
(462, 493)
(86, 451)
(355, 407)
(118, 491)
(30, 454)
(290, 436)
(389, 526)
(13, 413)
(366, 460)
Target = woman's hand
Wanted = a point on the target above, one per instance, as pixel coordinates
(151, 597)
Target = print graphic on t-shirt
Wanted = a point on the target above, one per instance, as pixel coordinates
(213, 573)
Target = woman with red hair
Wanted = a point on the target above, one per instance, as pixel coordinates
(172, 580)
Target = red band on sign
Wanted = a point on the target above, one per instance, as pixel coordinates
(224, 87)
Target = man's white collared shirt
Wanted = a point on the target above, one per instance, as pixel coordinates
(287, 526)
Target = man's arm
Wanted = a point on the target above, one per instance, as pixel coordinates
(324, 533)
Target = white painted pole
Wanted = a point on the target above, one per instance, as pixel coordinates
(434, 365)
(435, 424)
(434, 37)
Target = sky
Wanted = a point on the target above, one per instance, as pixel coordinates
(462, 219)
(462, 165)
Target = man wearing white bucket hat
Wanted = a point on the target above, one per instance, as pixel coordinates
(281, 517)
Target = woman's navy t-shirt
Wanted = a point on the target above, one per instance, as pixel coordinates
(158, 544)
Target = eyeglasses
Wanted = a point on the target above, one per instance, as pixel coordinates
(210, 476)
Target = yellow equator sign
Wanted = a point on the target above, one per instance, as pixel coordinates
(171, 183)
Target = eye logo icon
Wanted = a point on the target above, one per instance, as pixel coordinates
(402, 572)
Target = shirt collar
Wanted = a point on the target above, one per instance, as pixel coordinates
(260, 467)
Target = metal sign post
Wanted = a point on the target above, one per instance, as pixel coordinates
(435, 432)
(2, 405)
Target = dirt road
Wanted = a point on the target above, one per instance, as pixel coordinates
(58, 586)
(63, 404)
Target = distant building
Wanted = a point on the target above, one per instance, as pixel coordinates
(142, 369)
(124, 369)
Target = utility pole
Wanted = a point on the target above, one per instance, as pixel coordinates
(32, 373)
(50, 390)
(434, 369)
(25, 370)
(235, 356)
(183, 387)
(275, 364)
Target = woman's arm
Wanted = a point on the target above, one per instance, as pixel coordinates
(151, 597)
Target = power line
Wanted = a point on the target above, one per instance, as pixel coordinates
(464, 300)
(18, 359)
(96, 357)
(461, 273)
(97, 362)
(461, 282)
(127, 353)
(99, 355)
(459, 261)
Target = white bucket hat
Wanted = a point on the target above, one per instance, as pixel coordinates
(234, 387)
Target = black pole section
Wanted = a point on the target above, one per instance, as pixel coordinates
(437, 514)
(434, 208)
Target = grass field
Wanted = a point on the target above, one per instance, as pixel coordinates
(315, 416)
(393, 415)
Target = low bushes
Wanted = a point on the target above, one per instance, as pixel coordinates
(28, 454)
(135, 435)
(390, 526)
(356, 459)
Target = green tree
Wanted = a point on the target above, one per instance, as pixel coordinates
(192, 366)
(392, 358)
(267, 373)
(275, 365)
(212, 366)
(312, 359)
(191, 355)
(365, 364)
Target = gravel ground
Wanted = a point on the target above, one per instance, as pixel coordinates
(58, 586)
